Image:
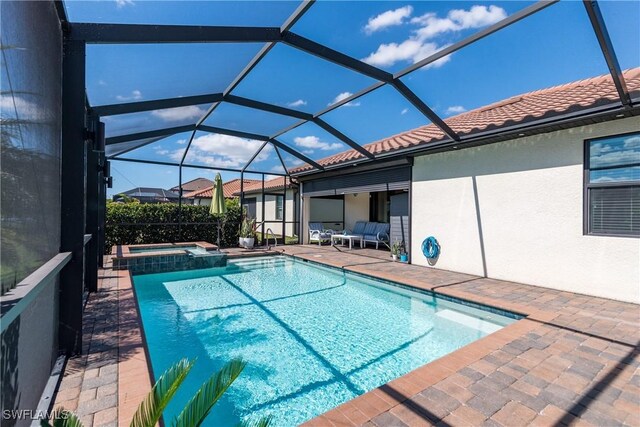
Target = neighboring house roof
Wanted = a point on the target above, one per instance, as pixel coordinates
(519, 109)
(150, 192)
(229, 189)
(193, 185)
(270, 185)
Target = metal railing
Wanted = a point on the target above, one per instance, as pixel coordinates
(275, 239)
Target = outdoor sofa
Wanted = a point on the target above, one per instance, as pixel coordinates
(371, 232)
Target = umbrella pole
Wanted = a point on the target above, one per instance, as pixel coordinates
(218, 242)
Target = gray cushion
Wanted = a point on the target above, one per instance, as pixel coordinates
(359, 227)
(370, 228)
(313, 226)
(320, 236)
(383, 227)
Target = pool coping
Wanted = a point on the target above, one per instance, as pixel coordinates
(136, 377)
(124, 252)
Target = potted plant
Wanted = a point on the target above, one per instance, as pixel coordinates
(404, 256)
(247, 233)
(395, 250)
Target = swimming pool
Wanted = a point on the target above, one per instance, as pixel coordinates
(312, 337)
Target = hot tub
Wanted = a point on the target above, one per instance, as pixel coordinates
(161, 257)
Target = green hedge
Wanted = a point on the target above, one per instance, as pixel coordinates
(135, 223)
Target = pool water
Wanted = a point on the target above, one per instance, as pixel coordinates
(312, 337)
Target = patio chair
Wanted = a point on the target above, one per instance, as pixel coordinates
(318, 234)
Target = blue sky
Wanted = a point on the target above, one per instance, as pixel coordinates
(553, 47)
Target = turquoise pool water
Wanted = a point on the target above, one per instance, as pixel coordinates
(312, 337)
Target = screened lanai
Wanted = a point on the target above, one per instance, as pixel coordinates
(259, 90)
(278, 91)
(103, 96)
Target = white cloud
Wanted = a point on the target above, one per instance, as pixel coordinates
(123, 3)
(222, 151)
(181, 141)
(418, 46)
(432, 26)
(404, 111)
(457, 20)
(293, 161)
(600, 148)
(312, 142)
(410, 50)
(615, 158)
(102, 82)
(632, 142)
(135, 95)
(179, 113)
(455, 109)
(297, 103)
(388, 19)
(277, 168)
(341, 97)
(478, 16)
(162, 152)
(19, 108)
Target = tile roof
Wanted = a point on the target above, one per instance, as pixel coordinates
(272, 184)
(229, 188)
(519, 109)
(149, 192)
(194, 185)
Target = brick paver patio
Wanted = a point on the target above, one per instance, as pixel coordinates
(575, 360)
(89, 386)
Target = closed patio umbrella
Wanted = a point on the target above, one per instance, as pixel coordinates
(218, 205)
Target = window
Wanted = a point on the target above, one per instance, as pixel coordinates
(612, 185)
(279, 206)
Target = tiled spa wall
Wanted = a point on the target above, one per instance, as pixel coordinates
(165, 263)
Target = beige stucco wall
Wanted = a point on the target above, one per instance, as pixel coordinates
(356, 208)
(514, 211)
(306, 212)
(203, 202)
(270, 212)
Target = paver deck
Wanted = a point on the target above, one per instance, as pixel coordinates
(575, 359)
(89, 386)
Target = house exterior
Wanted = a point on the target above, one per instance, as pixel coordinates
(149, 195)
(277, 207)
(229, 188)
(193, 185)
(550, 196)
